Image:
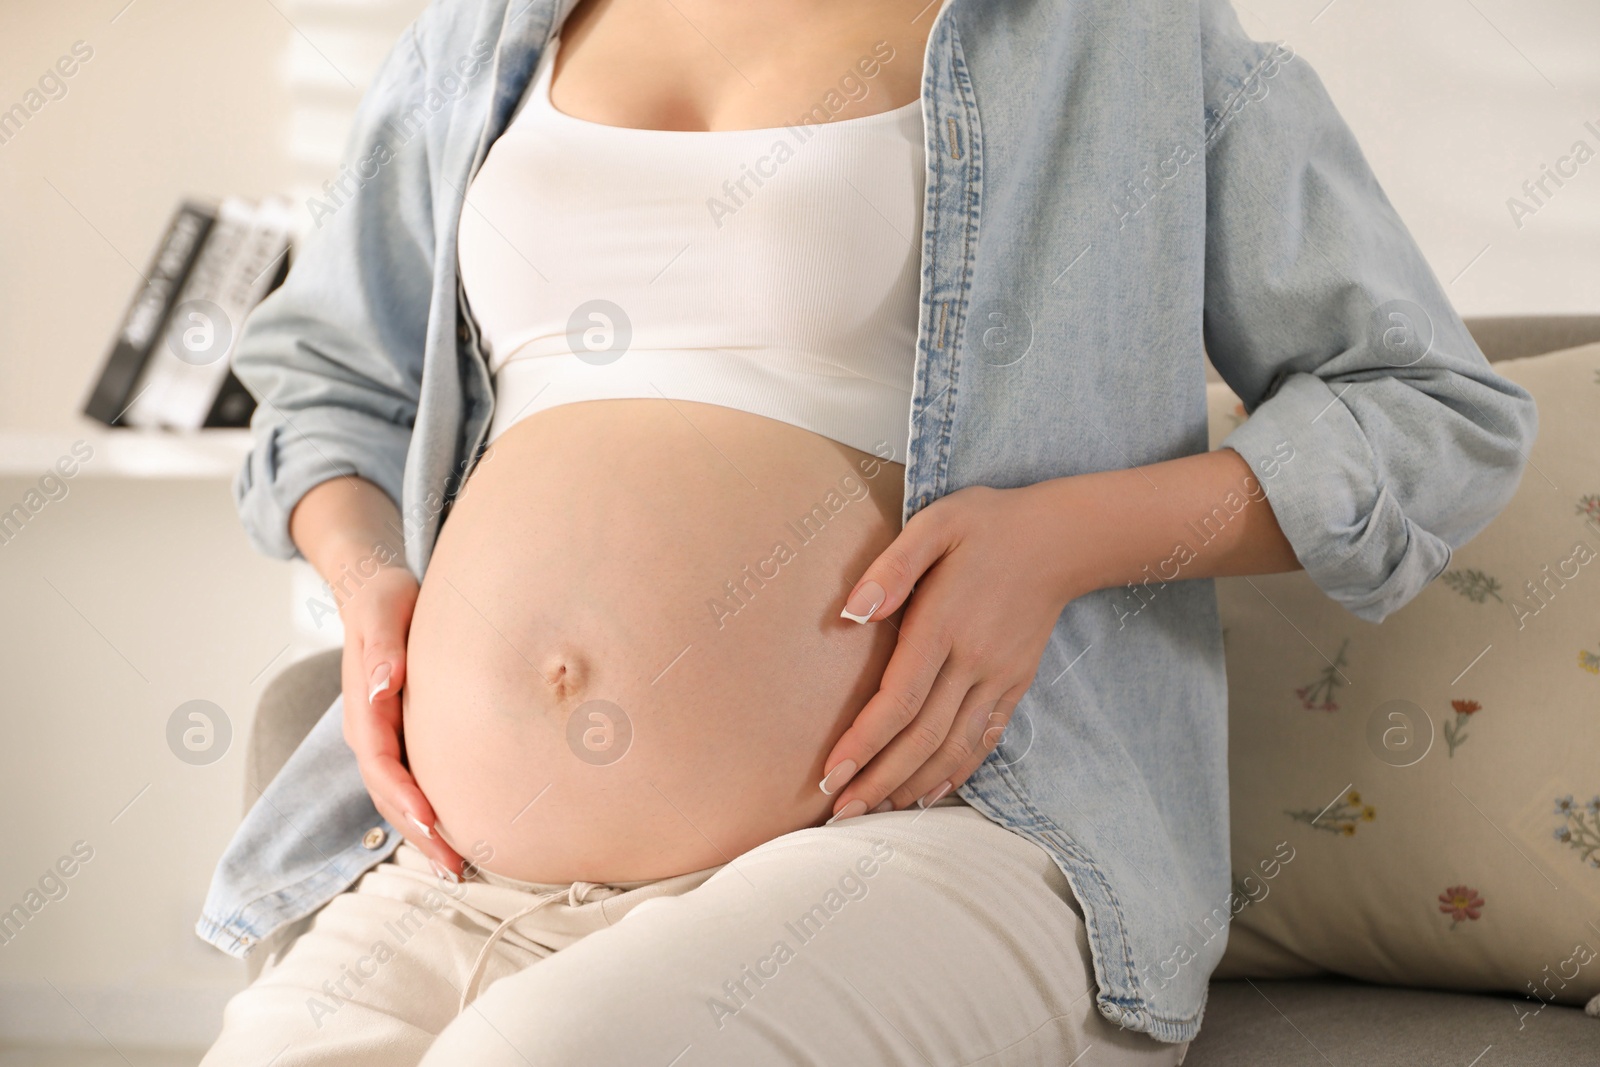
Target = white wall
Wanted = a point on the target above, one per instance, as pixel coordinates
(123, 600)
(1456, 104)
(158, 600)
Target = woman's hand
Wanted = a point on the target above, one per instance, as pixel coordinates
(994, 568)
(346, 528)
(988, 593)
(377, 619)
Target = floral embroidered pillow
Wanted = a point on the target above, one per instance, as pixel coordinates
(1436, 778)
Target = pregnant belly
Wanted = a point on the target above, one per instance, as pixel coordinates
(627, 660)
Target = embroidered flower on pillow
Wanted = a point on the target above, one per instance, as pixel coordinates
(1318, 696)
(1455, 731)
(1580, 829)
(1476, 586)
(1340, 817)
(1460, 903)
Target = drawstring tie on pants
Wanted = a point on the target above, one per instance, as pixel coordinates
(575, 894)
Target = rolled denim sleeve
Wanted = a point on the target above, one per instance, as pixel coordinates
(334, 356)
(1379, 432)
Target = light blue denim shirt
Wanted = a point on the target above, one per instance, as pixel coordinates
(1114, 188)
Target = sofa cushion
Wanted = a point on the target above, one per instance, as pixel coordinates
(1334, 1021)
(1418, 802)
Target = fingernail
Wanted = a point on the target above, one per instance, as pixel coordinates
(887, 805)
(427, 831)
(932, 796)
(863, 602)
(849, 811)
(380, 681)
(443, 872)
(834, 781)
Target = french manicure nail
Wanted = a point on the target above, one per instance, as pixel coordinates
(863, 602)
(380, 681)
(427, 831)
(933, 795)
(849, 811)
(887, 805)
(443, 872)
(836, 778)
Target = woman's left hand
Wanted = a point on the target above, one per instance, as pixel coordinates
(990, 584)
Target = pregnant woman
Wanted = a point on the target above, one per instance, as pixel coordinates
(759, 454)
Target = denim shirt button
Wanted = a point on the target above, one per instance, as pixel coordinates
(374, 838)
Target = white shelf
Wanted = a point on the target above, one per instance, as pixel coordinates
(127, 453)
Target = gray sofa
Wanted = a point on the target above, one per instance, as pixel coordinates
(1323, 1022)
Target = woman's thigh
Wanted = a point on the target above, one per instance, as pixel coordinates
(916, 938)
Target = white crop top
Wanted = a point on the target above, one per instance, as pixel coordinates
(773, 270)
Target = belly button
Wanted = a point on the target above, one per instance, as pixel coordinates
(565, 675)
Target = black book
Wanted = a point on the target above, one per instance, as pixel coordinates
(187, 382)
(145, 322)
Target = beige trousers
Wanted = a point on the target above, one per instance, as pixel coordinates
(907, 938)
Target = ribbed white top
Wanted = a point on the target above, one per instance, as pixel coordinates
(770, 270)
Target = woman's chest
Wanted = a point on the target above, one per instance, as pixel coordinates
(725, 65)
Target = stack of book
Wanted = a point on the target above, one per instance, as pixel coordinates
(169, 366)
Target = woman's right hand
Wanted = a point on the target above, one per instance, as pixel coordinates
(377, 618)
(346, 528)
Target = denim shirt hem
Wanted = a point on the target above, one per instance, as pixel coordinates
(994, 792)
(238, 932)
